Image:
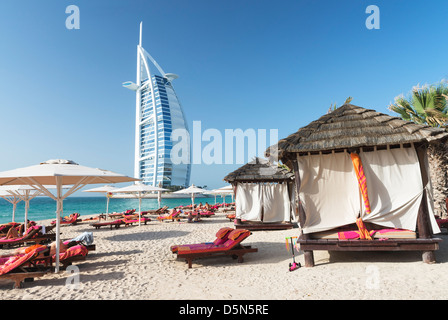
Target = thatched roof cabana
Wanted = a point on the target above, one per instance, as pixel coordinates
(350, 126)
(393, 190)
(259, 170)
(264, 196)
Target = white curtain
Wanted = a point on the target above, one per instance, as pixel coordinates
(263, 202)
(276, 203)
(248, 201)
(395, 188)
(329, 191)
(330, 194)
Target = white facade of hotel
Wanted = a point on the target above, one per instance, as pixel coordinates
(158, 113)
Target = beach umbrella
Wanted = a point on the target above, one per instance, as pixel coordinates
(23, 193)
(362, 183)
(60, 173)
(139, 190)
(192, 190)
(108, 190)
(13, 199)
(227, 190)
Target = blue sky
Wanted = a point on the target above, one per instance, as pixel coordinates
(249, 64)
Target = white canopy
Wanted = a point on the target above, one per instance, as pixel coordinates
(16, 193)
(60, 172)
(192, 190)
(330, 196)
(138, 190)
(107, 189)
(11, 198)
(227, 190)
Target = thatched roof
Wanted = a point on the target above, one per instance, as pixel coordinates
(351, 126)
(259, 170)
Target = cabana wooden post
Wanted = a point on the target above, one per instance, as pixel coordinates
(351, 128)
(252, 173)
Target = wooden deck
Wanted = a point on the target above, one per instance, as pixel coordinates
(253, 226)
(427, 246)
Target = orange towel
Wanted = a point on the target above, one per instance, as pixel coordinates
(362, 182)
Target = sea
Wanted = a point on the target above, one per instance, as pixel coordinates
(43, 208)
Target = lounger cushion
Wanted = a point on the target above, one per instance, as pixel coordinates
(78, 250)
(222, 235)
(377, 234)
(234, 238)
(17, 260)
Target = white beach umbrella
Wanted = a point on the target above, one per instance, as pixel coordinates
(59, 173)
(222, 192)
(13, 199)
(108, 190)
(192, 190)
(23, 193)
(138, 190)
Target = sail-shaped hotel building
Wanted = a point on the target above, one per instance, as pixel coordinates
(158, 113)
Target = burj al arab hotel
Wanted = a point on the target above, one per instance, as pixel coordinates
(158, 113)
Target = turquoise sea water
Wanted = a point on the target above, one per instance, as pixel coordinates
(45, 208)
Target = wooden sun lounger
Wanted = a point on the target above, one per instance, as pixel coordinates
(158, 211)
(29, 269)
(111, 224)
(236, 253)
(231, 247)
(69, 261)
(20, 277)
(30, 237)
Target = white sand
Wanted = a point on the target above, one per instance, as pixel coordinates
(136, 263)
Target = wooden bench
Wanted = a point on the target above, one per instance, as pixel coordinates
(20, 277)
(236, 253)
(427, 246)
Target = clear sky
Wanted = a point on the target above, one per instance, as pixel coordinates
(249, 64)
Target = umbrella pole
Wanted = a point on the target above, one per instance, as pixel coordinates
(27, 205)
(107, 207)
(139, 209)
(58, 219)
(14, 206)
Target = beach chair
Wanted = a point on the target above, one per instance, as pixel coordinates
(135, 219)
(29, 236)
(72, 254)
(231, 247)
(4, 228)
(85, 238)
(45, 235)
(121, 214)
(221, 237)
(116, 223)
(172, 216)
(161, 210)
(71, 219)
(23, 267)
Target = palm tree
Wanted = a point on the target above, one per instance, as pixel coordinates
(428, 105)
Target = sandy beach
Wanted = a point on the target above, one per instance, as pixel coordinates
(133, 263)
